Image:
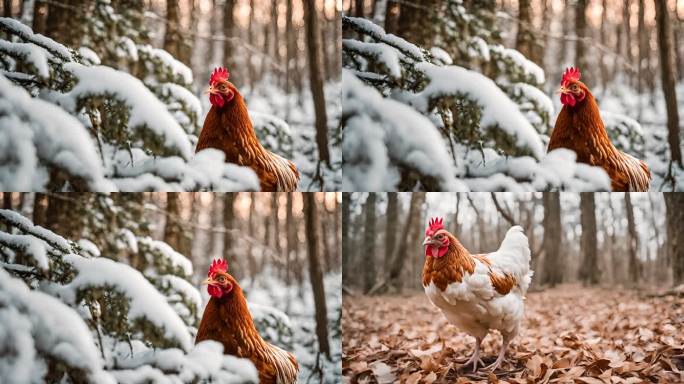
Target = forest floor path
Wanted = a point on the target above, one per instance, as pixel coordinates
(570, 334)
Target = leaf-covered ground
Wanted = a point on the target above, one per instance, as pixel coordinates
(571, 334)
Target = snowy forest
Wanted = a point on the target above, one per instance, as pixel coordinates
(460, 95)
(102, 95)
(105, 288)
(603, 305)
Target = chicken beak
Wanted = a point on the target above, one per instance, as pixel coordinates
(562, 89)
(427, 241)
(208, 281)
(211, 90)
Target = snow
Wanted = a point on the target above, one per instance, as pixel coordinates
(204, 363)
(29, 246)
(528, 67)
(381, 53)
(36, 56)
(146, 111)
(440, 56)
(145, 301)
(15, 27)
(89, 56)
(182, 94)
(177, 68)
(206, 170)
(25, 225)
(169, 254)
(377, 33)
(89, 247)
(534, 95)
(32, 141)
(34, 325)
(497, 109)
(382, 134)
(183, 287)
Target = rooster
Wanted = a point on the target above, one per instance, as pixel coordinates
(579, 127)
(227, 320)
(228, 127)
(478, 293)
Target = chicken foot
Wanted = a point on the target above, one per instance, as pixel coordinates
(475, 358)
(501, 356)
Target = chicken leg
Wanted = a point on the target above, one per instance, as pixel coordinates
(501, 357)
(475, 358)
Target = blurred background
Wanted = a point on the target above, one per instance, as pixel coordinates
(607, 239)
(282, 247)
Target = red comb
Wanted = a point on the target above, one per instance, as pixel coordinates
(217, 265)
(570, 74)
(435, 224)
(219, 74)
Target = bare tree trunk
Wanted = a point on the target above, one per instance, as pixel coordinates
(316, 79)
(250, 41)
(603, 39)
(553, 259)
(391, 229)
(668, 81)
(7, 8)
(346, 231)
(418, 21)
(40, 203)
(633, 245)
(229, 49)
(173, 230)
(401, 256)
(392, 17)
(40, 11)
(292, 242)
(290, 52)
(674, 203)
(589, 272)
(358, 8)
(641, 57)
(172, 36)
(582, 32)
(369, 243)
(228, 224)
(315, 274)
(524, 40)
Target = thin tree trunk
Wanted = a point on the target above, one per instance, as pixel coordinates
(173, 230)
(379, 12)
(289, 55)
(674, 203)
(7, 8)
(316, 79)
(228, 224)
(641, 57)
(589, 272)
(229, 49)
(391, 229)
(399, 260)
(524, 40)
(172, 35)
(553, 260)
(582, 32)
(634, 268)
(250, 41)
(315, 274)
(668, 81)
(369, 243)
(346, 232)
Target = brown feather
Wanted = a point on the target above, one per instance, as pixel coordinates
(228, 321)
(450, 268)
(230, 129)
(581, 129)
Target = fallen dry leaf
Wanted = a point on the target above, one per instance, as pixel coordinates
(571, 334)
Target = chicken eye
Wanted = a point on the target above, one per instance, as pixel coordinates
(574, 88)
(221, 279)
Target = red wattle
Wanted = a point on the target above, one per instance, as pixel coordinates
(215, 291)
(436, 252)
(567, 99)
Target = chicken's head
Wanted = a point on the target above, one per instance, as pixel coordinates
(219, 281)
(221, 91)
(436, 241)
(572, 90)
